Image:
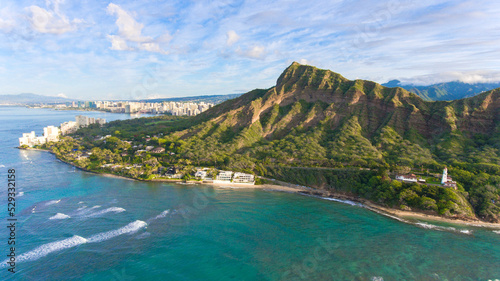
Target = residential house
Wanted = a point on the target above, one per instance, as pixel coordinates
(224, 176)
(243, 178)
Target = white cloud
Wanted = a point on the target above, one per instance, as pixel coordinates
(471, 77)
(130, 33)
(118, 43)
(256, 52)
(303, 61)
(128, 28)
(52, 20)
(6, 20)
(232, 37)
(151, 47)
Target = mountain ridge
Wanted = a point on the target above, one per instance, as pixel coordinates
(445, 91)
(312, 85)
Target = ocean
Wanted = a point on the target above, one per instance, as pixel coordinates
(74, 225)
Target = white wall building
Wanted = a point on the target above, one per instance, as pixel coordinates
(27, 139)
(68, 127)
(84, 121)
(51, 133)
(224, 176)
(202, 174)
(243, 178)
(407, 178)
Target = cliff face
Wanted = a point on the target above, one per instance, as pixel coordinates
(306, 97)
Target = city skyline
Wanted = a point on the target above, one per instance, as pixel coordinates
(127, 50)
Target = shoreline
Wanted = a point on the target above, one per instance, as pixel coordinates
(308, 191)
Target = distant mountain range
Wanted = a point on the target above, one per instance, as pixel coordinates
(445, 91)
(29, 99)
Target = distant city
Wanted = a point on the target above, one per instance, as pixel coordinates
(173, 108)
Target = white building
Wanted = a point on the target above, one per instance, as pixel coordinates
(84, 121)
(51, 133)
(202, 174)
(243, 178)
(68, 127)
(407, 178)
(224, 176)
(30, 139)
(27, 139)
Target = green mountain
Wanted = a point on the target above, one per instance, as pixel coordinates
(445, 91)
(318, 128)
(352, 122)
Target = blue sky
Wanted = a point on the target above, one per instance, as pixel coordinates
(145, 49)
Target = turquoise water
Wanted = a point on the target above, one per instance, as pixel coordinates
(81, 226)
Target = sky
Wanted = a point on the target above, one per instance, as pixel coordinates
(148, 49)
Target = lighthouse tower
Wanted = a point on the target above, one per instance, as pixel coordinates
(445, 175)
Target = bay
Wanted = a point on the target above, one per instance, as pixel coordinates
(74, 225)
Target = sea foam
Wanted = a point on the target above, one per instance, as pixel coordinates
(443, 228)
(52, 202)
(48, 248)
(102, 212)
(76, 240)
(496, 231)
(84, 210)
(59, 216)
(352, 203)
(161, 215)
(129, 228)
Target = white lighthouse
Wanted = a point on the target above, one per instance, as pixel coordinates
(445, 176)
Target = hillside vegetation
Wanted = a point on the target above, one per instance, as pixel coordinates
(317, 118)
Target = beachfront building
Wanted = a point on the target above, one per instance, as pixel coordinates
(201, 174)
(407, 178)
(27, 139)
(243, 178)
(224, 176)
(50, 134)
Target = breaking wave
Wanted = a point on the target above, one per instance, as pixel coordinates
(102, 212)
(443, 228)
(48, 248)
(496, 231)
(352, 203)
(161, 215)
(84, 210)
(129, 228)
(74, 241)
(52, 202)
(59, 216)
